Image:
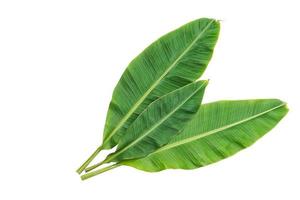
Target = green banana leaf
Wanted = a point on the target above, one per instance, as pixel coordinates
(219, 130)
(174, 60)
(162, 120)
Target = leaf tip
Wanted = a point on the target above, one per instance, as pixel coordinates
(285, 105)
(205, 82)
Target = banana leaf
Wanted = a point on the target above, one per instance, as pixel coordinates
(219, 130)
(174, 60)
(162, 120)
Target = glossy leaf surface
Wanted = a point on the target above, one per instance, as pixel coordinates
(174, 60)
(218, 131)
(162, 120)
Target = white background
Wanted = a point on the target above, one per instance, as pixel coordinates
(60, 60)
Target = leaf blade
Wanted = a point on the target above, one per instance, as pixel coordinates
(215, 140)
(173, 61)
(163, 119)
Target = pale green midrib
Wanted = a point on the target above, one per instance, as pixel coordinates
(155, 125)
(197, 137)
(137, 104)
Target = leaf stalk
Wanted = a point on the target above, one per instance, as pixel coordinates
(99, 171)
(89, 160)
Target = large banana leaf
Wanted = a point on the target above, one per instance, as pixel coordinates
(162, 120)
(174, 60)
(218, 130)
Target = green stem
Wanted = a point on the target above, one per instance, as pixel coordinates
(95, 166)
(99, 171)
(89, 160)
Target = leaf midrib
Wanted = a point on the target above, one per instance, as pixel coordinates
(156, 124)
(138, 103)
(208, 133)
